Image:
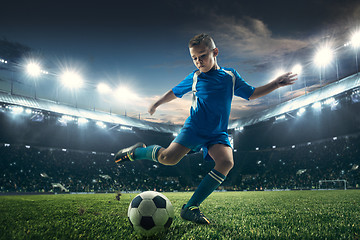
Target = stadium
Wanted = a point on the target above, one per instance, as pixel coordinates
(301, 143)
(299, 178)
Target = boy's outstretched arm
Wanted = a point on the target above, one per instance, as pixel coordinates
(281, 81)
(169, 96)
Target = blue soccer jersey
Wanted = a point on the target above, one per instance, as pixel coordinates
(212, 96)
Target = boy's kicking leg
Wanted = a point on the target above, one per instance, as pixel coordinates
(166, 156)
(224, 162)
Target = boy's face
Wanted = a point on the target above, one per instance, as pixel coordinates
(203, 57)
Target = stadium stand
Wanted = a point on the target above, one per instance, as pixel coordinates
(33, 169)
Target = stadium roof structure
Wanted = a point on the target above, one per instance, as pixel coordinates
(325, 92)
(51, 106)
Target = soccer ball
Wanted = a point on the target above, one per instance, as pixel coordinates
(150, 212)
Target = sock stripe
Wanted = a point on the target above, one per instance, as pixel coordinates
(216, 177)
(153, 154)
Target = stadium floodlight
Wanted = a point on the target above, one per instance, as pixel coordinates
(71, 79)
(17, 109)
(103, 88)
(67, 118)
(124, 94)
(33, 69)
(296, 69)
(281, 117)
(100, 124)
(324, 56)
(301, 111)
(316, 105)
(355, 39)
(82, 121)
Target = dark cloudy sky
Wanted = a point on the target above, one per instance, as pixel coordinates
(143, 44)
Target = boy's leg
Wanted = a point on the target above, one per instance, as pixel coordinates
(172, 154)
(223, 158)
(167, 156)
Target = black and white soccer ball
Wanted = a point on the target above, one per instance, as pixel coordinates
(150, 212)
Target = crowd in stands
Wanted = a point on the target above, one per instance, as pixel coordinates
(35, 169)
(302, 167)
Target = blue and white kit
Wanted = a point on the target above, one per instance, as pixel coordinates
(211, 104)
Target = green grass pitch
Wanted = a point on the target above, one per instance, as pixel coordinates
(234, 215)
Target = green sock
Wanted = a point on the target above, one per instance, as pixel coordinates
(210, 183)
(148, 153)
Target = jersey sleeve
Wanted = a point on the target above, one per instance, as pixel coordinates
(242, 88)
(184, 86)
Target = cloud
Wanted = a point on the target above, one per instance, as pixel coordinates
(252, 42)
(174, 112)
(242, 108)
(251, 36)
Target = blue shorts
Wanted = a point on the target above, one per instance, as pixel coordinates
(195, 141)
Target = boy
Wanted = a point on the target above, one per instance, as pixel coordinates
(213, 88)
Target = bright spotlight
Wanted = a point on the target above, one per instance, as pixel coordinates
(103, 88)
(82, 121)
(316, 105)
(323, 56)
(355, 39)
(123, 91)
(67, 118)
(296, 69)
(17, 109)
(71, 79)
(124, 94)
(281, 117)
(101, 124)
(301, 111)
(33, 69)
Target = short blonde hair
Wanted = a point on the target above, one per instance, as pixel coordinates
(202, 38)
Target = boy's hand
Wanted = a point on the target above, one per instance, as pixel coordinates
(152, 109)
(169, 96)
(286, 79)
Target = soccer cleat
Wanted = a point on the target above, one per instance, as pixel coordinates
(127, 154)
(193, 214)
